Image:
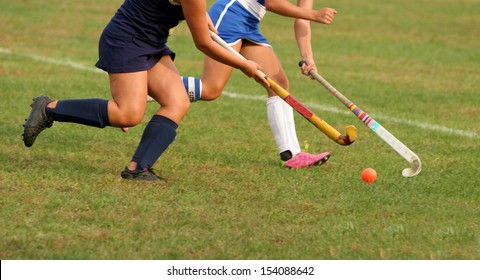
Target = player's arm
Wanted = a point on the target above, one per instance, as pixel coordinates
(285, 8)
(303, 36)
(197, 21)
(303, 13)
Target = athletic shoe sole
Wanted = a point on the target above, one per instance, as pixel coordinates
(140, 175)
(306, 160)
(37, 120)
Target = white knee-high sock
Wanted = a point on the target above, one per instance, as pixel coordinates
(282, 124)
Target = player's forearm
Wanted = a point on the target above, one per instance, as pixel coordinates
(285, 8)
(303, 32)
(303, 37)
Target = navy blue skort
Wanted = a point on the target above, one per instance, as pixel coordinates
(128, 54)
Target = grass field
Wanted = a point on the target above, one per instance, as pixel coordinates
(413, 67)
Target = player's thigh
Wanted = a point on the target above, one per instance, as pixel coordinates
(215, 76)
(129, 93)
(268, 60)
(166, 87)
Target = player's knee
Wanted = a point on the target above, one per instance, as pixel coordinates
(175, 111)
(178, 107)
(211, 92)
(210, 96)
(129, 119)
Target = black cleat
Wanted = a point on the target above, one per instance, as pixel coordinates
(37, 121)
(285, 155)
(145, 175)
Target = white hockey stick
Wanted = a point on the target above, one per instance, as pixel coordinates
(385, 135)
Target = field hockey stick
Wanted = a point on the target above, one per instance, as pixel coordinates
(332, 133)
(384, 134)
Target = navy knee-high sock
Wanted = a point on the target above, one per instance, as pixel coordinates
(157, 136)
(92, 112)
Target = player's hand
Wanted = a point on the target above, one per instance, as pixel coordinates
(251, 69)
(306, 65)
(325, 15)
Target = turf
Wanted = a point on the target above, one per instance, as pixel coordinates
(414, 68)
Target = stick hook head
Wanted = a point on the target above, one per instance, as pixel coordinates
(350, 137)
(416, 167)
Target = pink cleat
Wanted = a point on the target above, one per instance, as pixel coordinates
(305, 159)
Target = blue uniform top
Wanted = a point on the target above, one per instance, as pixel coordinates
(147, 20)
(239, 20)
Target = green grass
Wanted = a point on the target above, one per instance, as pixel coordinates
(228, 196)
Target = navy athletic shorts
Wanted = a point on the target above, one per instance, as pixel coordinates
(128, 54)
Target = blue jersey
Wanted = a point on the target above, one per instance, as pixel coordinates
(239, 20)
(148, 20)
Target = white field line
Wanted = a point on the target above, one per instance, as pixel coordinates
(422, 125)
(54, 61)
